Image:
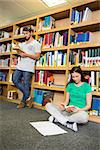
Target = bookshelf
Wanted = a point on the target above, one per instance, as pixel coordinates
(62, 26)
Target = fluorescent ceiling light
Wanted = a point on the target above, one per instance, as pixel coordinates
(52, 3)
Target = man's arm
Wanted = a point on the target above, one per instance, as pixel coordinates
(35, 56)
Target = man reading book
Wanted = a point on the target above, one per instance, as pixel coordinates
(77, 103)
(29, 51)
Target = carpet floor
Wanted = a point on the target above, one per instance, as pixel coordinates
(17, 134)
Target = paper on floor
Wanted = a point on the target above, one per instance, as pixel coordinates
(47, 128)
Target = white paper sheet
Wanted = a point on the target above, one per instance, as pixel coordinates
(47, 128)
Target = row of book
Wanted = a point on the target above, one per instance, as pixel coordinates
(52, 59)
(5, 62)
(47, 78)
(2, 76)
(44, 77)
(55, 39)
(14, 61)
(12, 94)
(87, 58)
(4, 34)
(95, 80)
(42, 97)
(95, 110)
(19, 30)
(81, 37)
(80, 16)
(4, 48)
(48, 22)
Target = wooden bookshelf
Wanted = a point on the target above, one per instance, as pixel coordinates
(94, 118)
(62, 24)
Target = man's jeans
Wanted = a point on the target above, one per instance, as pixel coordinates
(24, 86)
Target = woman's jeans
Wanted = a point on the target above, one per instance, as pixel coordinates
(23, 86)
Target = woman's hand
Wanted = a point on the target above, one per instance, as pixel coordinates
(73, 109)
(62, 106)
(70, 109)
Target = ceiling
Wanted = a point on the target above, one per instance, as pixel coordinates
(16, 10)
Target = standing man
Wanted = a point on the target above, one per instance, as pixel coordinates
(31, 50)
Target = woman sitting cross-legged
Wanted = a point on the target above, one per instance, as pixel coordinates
(78, 101)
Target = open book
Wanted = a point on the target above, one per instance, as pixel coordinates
(72, 107)
(17, 48)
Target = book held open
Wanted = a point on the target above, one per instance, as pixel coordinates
(17, 48)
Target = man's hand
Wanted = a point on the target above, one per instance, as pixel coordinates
(22, 54)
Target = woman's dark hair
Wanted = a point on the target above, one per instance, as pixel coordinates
(78, 70)
(28, 28)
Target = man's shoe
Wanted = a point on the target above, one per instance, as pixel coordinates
(29, 102)
(21, 105)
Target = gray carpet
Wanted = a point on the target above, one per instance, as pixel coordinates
(17, 134)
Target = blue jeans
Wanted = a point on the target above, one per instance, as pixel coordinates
(24, 86)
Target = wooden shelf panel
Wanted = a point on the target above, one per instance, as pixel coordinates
(4, 68)
(74, 46)
(53, 30)
(19, 36)
(94, 68)
(84, 45)
(13, 52)
(48, 88)
(85, 23)
(94, 118)
(90, 26)
(51, 68)
(38, 106)
(6, 82)
(96, 93)
(6, 39)
(3, 82)
(55, 48)
(6, 53)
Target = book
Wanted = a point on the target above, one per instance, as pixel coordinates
(72, 107)
(17, 48)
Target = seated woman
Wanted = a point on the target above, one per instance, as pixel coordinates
(78, 98)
